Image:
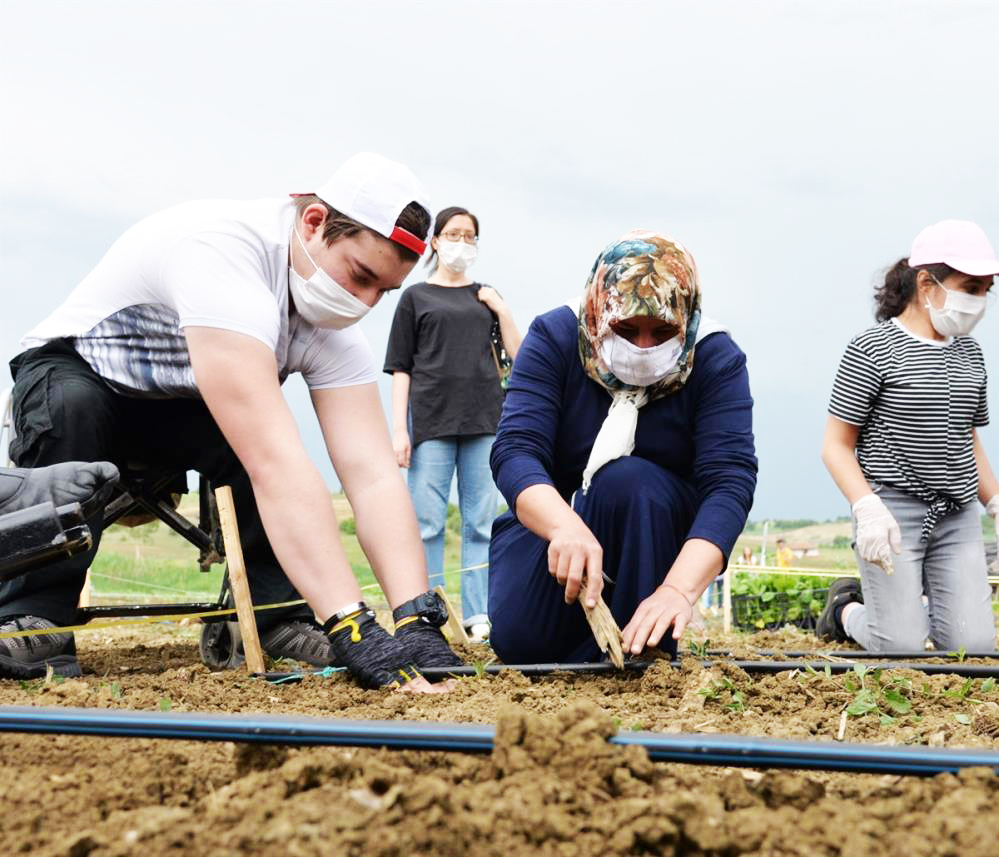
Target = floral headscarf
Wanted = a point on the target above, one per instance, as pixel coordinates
(641, 274)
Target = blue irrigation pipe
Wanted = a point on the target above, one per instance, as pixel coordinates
(730, 750)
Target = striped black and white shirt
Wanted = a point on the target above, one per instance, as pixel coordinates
(916, 401)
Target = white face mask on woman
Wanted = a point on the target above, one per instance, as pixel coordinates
(959, 313)
(456, 256)
(639, 366)
(321, 300)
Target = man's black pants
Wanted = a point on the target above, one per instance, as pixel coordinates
(64, 411)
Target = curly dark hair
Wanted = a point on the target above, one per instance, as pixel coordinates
(414, 218)
(899, 287)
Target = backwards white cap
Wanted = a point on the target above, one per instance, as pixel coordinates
(373, 190)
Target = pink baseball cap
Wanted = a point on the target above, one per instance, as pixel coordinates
(374, 190)
(959, 243)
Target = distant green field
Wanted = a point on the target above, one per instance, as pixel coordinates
(152, 563)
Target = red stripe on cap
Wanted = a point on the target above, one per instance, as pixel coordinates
(408, 240)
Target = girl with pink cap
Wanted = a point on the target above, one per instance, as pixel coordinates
(901, 443)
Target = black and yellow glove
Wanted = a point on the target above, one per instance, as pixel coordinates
(418, 627)
(370, 653)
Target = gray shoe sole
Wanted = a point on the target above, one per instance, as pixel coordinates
(62, 665)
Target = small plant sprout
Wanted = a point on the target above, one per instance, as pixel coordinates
(165, 703)
(724, 685)
(699, 648)
(963, 692)
(873, 696)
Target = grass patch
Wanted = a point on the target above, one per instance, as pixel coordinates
(152, 563)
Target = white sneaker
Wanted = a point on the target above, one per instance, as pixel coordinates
(478, 632)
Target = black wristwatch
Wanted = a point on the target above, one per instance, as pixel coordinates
(429, 606)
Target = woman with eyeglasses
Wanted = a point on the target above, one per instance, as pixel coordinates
(449, 341)
(626, 454)
(902, 444)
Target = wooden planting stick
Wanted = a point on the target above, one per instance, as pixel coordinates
(454, 626)
(237, 580)
(605, 629)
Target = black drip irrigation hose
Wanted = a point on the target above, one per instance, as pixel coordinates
(752, 667)
(861, 654)
(728, 750)
(965, 670)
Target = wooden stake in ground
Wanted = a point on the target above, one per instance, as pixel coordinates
(453, 625)
(605, 629)
(237, 580)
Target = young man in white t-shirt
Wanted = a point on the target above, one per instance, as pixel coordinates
(171, 353)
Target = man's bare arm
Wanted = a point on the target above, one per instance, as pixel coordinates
(238, 379)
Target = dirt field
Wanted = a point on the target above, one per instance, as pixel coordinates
(552, 786)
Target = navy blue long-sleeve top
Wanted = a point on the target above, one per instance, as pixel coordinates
(703, 433)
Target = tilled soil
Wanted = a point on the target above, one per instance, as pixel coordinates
(553, 785)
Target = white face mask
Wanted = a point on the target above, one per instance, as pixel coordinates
(639, 366)
(456, 255)
(321, 300)
(959, 313)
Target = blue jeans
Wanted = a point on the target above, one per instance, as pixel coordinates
(431, 468)
(949, 569)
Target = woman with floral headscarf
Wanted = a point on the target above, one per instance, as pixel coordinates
(625, 452)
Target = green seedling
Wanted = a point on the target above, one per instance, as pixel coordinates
(874, 696)
(480, 668)
(865, 702)
(963, 692)
(713, 693)
(699, 649)
(896, 701)
(988, 685)
(165, 704)
(963, 719)
(116, 691)
(960, 655)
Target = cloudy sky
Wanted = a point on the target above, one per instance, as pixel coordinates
(795, 147)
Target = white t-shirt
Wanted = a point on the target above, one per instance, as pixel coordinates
(212, 263)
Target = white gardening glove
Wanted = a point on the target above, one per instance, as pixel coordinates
(878, 535)
(992, 510)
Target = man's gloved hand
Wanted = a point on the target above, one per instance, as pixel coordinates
(418, 627)
(88, 483)
(878, 535)
(371, 654)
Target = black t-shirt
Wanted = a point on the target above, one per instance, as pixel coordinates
(440, 337)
